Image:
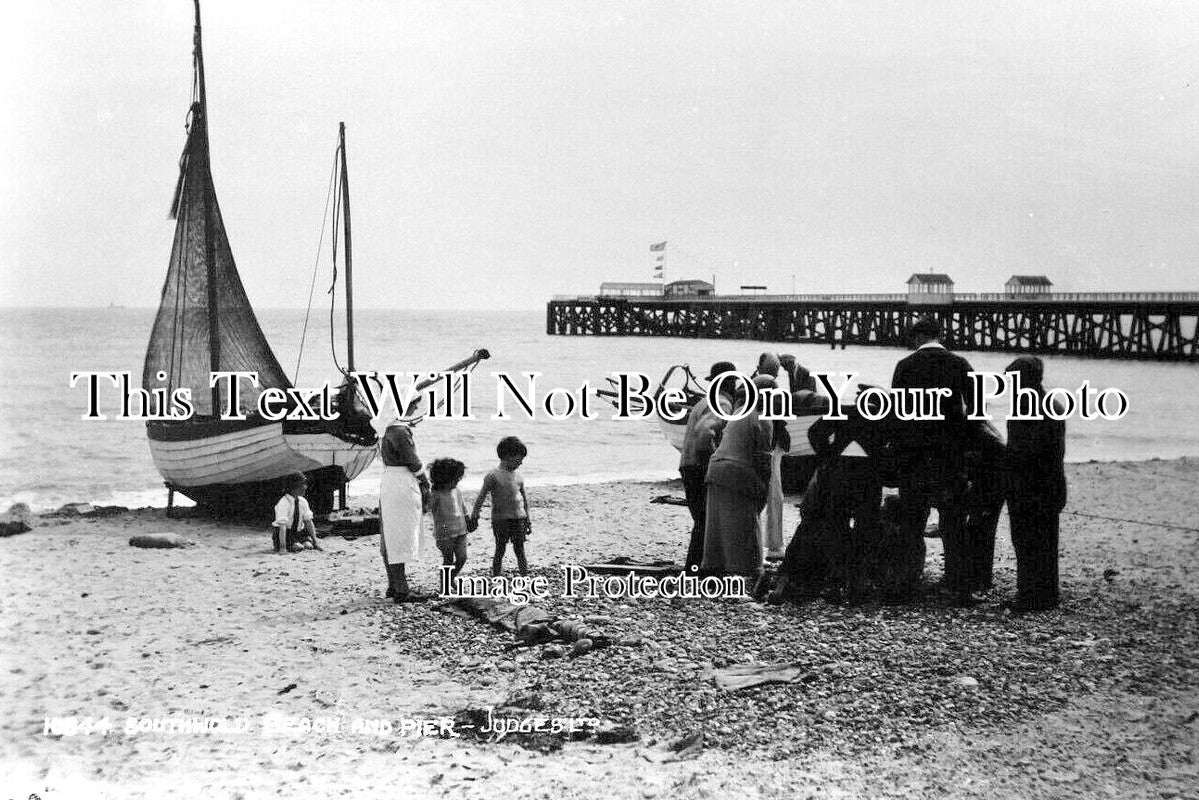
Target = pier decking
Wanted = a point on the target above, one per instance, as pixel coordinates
(1136, 325)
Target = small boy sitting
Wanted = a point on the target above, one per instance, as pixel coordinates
(293, 518)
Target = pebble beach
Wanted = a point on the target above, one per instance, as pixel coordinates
(1097, 699)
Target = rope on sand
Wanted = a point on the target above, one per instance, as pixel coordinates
(1133, 521)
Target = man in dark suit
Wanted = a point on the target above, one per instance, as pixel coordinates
(984, 468)
(931, 462)
(1036, 495)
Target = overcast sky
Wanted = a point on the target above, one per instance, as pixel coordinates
(502, 152)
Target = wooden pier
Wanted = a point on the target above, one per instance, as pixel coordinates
(1154, 326)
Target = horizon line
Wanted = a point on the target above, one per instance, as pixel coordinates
(120, 307)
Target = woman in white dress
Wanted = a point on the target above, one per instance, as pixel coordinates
(401, 490)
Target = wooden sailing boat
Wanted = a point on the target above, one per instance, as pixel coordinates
(205, 324)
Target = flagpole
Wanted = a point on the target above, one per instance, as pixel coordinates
(660, 263)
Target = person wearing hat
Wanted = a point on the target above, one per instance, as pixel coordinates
(930, 452)
(402, 489)
(798, 375)
(1036, 495)
(768, 364)
(738, 482)
(699, 442)
(719, 368)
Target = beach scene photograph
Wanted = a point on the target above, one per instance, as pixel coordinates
(599, 400)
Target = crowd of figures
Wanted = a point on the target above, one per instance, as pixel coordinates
(872, 480)
(855, 536)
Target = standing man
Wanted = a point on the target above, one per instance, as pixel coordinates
(1036, 495)
(984, 467)
(699, 442)
(931, 464)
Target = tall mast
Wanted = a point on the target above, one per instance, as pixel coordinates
(214, 339)
(199, 57)
(345, 203)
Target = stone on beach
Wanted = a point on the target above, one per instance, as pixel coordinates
(159, 540)
(75, 510)
(15, 520)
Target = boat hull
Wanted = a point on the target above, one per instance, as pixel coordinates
(239, 464)
(797, 428)
(798, 463)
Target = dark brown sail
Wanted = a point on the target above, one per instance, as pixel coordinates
(205, 322)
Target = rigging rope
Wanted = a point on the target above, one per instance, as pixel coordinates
(315, 266)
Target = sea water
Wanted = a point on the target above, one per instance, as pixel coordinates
(49, 455)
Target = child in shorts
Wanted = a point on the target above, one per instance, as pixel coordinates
(509, 505)
(293, 518)
(450, 524)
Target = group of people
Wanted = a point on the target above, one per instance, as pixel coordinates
(407, 491)
(850, 539)
(732, 473)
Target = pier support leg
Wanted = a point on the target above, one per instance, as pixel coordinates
(170, 503)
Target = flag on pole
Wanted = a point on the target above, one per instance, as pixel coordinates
(657, 248)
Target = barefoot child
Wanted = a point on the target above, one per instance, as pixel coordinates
(293, 518)
(509, 505)
(449, 512)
